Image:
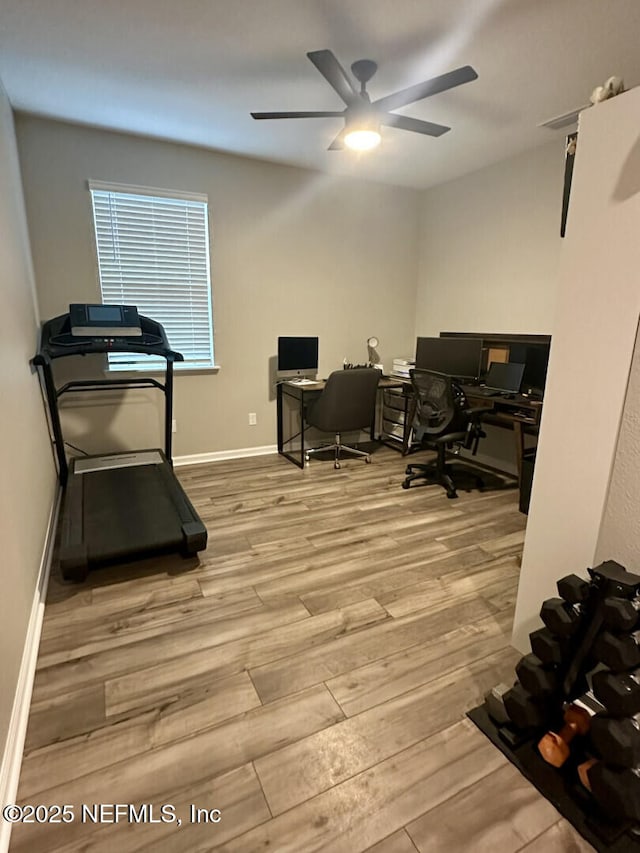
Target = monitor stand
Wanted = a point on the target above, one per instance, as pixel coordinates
(303, 380)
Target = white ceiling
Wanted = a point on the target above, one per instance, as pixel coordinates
(192, 70)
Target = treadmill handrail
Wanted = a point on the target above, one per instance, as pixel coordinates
(108, 385)
(48, 349)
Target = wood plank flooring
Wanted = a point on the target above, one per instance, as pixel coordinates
(308, 676)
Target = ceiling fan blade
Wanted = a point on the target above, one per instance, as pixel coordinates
(297, 115)
(414, 124)
(334, 74)
(338, 142)
(430, 87)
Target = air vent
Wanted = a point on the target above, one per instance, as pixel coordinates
(565, 120)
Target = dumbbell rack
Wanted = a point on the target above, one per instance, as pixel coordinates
(579, 653)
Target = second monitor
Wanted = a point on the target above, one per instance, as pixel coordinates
(459, 357)
(504, 377)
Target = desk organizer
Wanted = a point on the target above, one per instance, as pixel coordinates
(571, 721)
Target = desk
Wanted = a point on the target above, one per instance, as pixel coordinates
(520, 414)
(292, 401)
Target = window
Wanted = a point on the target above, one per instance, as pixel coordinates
(153, 252)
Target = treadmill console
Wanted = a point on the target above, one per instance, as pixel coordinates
(104, 321)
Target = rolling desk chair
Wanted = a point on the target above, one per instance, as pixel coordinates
(442, 418)
(347, 403)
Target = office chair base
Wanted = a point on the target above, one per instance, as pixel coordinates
(338, 448)
(433, 475)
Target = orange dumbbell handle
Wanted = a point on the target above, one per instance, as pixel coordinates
(554, 747)
(577, 720)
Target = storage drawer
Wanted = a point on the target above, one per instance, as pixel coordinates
(395, 401)
(393, 415)
(390, 428)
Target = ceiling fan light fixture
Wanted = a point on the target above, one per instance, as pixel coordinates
(362, 139)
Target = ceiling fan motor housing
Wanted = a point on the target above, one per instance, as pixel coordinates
(364, 69)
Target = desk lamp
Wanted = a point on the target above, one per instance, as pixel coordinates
(374, 358)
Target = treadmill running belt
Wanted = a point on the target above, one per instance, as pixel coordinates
(127, 512)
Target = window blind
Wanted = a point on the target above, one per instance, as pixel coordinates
(153, 252)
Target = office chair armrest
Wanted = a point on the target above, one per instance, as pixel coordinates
(477, 411)
(474, 428)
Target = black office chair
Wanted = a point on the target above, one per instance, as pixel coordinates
(347, 403)
(442, 418)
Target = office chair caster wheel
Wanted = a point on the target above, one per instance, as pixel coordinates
(367, 459)
(452, 495)
(336, 465)
(405, 484)
(408, 470)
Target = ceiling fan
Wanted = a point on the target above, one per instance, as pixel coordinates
(364, 117)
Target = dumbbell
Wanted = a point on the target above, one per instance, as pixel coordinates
(526, 711)
(618, 651)
(573, 589)
(546, 647)
(537, 678)
(494, 704)
(617, 790)
(554, 747)
(619, 693)
(617, 740)
(561, 617)
(621, 614)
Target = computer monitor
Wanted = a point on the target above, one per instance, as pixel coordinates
(504, 377)
(459, 357)
(297, 357)
(536, 359)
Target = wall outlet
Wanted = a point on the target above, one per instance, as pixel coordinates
(174, 425)
(252, 419)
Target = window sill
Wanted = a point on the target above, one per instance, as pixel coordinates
(158, 371)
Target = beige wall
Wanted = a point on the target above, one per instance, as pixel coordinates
(618, 539)
(489, 246)
(489, 249)
(293, 253)
(595, 331)
(28, 474)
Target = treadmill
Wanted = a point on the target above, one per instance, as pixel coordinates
(119, 506)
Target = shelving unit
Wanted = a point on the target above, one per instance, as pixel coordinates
(396, 430)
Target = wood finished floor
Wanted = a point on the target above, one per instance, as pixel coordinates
(309, 677)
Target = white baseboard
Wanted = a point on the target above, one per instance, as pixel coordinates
(222, 455)
(12, 758)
